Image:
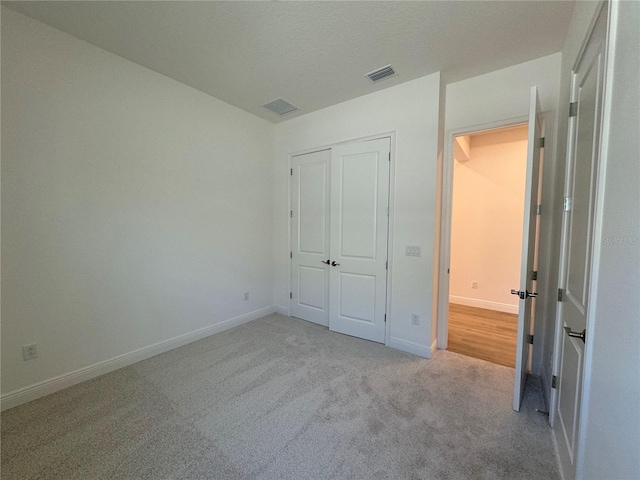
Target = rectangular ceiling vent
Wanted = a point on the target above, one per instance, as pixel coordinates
(280, 106)
(381, 73)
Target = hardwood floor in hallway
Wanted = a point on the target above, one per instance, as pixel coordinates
(485, 334)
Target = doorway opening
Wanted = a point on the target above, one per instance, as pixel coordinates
(489, 180)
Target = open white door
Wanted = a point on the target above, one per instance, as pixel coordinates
(577, 244)
(359, 230)
(526, 292)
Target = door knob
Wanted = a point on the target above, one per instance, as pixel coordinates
(581, 335)
(327, 262)
(525, 294)
(334, 264)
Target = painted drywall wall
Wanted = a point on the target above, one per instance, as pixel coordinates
(611, 419)
(487, 214)
(411, 111)
(501, 96)
(135, 209)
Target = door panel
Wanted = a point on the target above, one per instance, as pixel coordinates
(310, 197)
(569, 388)
(358, 207)
(359, 230)
(528, 246)
(312, 281)
(357, 297)
(312, 207)
(577, 241)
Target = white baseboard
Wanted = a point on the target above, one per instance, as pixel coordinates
(474, 302)
(46, 387)
(434, 347)
(410, 347)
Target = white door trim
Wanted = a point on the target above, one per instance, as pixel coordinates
(445, 218)
(392, 181)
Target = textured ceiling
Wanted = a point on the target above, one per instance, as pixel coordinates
(313, 54)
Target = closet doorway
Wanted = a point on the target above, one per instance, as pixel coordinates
(339, 237)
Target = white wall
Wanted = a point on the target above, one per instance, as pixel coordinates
(487, 215)
(503, 94)
(611, 420)
(134, 208)
(411, 111)
(498, 97)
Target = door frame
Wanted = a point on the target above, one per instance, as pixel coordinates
(446, 213)
(391, 135)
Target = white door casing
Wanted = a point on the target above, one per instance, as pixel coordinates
(587, 89)
(339, 237)
(359, 234)
(526, 291)
(310, 214)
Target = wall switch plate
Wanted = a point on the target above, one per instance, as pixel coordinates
(246, 295)
(29, 351)
(413, 251)
(474, 284)
(415, 319)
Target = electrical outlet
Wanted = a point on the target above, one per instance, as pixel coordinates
(412, 251)
(29, 351)
(474, 284)
(246, 295)
(415, 319)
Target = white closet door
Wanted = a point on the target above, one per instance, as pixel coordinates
(359, 231)
(310, 197)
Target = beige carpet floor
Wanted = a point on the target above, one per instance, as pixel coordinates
(280, 398)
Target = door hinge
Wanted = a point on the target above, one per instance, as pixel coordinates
(566, 204)
(290, 294)
(534, 275)
(538, 209)
(530, 339)
(290, 254)
(389, 156)
(385, 318)
(573, 109)
(560, 294)
(554, 382)
(541, 142)
(291, 214)
(386, 265)
(292, 172)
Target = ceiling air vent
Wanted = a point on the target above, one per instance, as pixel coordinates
(381, 73)
(280, 106)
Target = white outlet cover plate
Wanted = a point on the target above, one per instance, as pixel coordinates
(413, 251)
(29, 351)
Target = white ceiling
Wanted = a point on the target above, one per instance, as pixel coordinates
(313, 54)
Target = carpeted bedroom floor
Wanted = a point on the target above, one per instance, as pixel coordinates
(281, 398)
